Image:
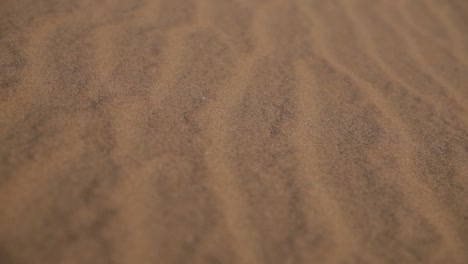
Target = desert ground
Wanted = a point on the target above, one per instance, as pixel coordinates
(233, 131)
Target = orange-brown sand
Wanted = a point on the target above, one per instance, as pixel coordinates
(233, 131)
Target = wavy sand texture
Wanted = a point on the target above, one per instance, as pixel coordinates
(236, 131)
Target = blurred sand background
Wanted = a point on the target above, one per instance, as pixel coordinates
(233, 131)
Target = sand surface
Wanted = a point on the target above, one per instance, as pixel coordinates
(233, 131)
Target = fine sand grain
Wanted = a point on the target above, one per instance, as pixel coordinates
(233, 131)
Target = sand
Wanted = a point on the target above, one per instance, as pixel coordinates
(233, 131)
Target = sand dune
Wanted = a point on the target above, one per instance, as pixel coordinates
(237, 131)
